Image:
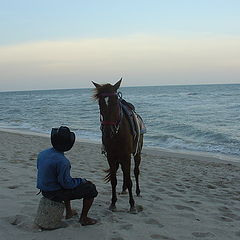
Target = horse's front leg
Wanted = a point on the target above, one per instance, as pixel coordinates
(114, 194)
(113, 179)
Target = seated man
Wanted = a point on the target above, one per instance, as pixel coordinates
(54, 180)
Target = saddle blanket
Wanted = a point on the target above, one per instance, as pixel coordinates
(137, 125)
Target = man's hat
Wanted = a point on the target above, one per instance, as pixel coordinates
(62, 138)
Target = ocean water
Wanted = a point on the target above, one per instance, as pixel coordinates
(203, 118)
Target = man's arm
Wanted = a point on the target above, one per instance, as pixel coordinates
(64, 178)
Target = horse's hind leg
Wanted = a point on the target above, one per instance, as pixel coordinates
(137, 160)
(124, 186)
(127, 179)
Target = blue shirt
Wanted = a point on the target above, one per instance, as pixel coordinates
(54, 171)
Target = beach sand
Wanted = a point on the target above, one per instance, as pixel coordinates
(183, 196)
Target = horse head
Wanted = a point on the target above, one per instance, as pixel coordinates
(110, 110)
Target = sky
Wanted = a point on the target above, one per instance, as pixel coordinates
(56, 44)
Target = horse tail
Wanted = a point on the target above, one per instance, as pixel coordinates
(107, 178)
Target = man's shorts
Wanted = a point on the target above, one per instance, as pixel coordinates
(84, 190)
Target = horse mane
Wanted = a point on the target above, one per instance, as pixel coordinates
(105, 88)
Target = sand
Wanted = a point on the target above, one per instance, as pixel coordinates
(184, 196)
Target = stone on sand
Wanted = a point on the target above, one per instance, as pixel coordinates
(49, 214)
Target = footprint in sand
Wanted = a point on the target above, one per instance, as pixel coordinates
(158, 236)
(13, 187)
(161, 190)
(174, 195)
(180, 190)
(23, 222)
(203, 234)
(117, 238)
(227, 214)
(126, 226)
(30, 192)
(156, 198)
(210, 186)
(4, 180)
(180, 207)
(237, 234)
(194, 202)
(225, 219)
(232, 216)
(224, 209)
(15, 220)
(152, 221)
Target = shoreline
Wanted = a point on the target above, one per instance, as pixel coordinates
(196, 155)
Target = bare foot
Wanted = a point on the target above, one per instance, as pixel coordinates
(71, 214)
(87, 221)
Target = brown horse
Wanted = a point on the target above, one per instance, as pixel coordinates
(118, 141)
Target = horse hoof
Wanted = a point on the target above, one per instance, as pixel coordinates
(113, 208)
(133, 210)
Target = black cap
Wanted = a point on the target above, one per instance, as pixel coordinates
(62, 138)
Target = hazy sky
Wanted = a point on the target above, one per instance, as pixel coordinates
(51, 44)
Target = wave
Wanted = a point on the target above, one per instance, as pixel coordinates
(193, 144)
(192, 94)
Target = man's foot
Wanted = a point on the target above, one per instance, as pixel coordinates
(71, 214)
(87, 221)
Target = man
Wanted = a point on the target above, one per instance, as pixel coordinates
(54, 180)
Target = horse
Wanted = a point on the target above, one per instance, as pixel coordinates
(118, 141)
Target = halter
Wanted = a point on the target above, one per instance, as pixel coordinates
(114, 124)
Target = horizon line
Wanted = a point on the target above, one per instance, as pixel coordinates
(142, 86)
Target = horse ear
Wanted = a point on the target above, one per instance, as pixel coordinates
(117, 85)
(96, 85)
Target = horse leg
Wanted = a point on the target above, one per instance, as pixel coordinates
(114, 195)
(113, 179)
(128, 182)
(137, 160)
(124, 186)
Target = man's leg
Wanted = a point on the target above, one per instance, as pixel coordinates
(86, 191)
(84, 219)
(69, 211)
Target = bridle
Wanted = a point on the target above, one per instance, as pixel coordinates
(114, 125)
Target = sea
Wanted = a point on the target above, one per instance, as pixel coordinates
(194, 118)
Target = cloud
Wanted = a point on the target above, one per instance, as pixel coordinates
(140, 59)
